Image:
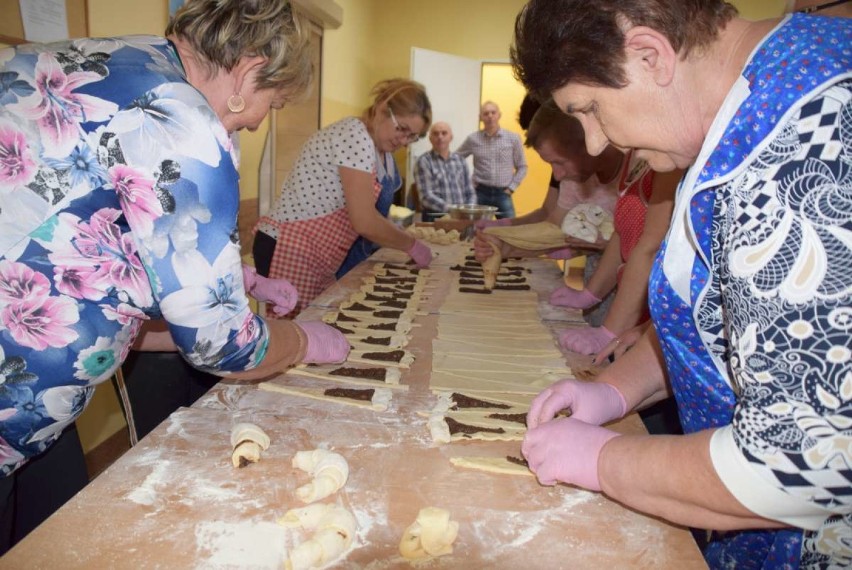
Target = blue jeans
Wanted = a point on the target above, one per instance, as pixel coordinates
(497, 197)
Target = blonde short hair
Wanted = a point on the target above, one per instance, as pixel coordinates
(223, 31)
(405, 97)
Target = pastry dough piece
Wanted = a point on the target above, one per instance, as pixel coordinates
(444, 429)
(492, 465)
(247, 441)
(541, 235)
(431, 534)
(335, 530)
(391, 379)
(328, 469)
(491, 266)
(586, 221)
(377, 357)
(377, 399)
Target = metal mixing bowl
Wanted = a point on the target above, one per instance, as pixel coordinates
(471, 212)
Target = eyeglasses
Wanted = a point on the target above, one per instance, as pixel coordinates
(409, 135)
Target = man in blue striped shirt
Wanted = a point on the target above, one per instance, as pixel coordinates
(442, 176)
(499, 164)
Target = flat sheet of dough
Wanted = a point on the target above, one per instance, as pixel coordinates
(469, 383)
(491, 465)
(541, 235)
(380, 402)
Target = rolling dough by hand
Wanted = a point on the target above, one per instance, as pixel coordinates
(335, 529)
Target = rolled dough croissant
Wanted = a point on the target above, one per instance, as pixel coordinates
(247, 440)
(432, 534)
(329, 470)
(335, 529)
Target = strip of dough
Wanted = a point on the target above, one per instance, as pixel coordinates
(492, 465)
(379, 402)
(431, 534)
(392, 376)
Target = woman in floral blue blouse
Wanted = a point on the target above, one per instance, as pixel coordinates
(118, 204)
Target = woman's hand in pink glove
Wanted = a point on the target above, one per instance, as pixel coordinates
(279, 293)
(566, 450)
(325, 344)
(621, 344)
(592, 402)
(573, 299)
(482, 224)
(564, 253)
(421, 254)
(586, 340)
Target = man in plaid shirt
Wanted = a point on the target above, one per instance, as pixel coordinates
(499, 164)
(442, 176)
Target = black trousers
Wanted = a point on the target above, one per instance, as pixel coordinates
(157, 384)
(32, 493)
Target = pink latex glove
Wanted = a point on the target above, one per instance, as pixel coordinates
(326, 344)
(279, 293)
(586, 340)
(566, 450)
(568, 297)
(482, 224)
(566, 253)
(421, 254)
(592, 402)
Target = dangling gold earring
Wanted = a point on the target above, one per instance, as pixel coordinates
(236, 103)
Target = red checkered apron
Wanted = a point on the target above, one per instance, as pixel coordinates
(309, 252)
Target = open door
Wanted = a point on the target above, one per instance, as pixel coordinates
(453, 85)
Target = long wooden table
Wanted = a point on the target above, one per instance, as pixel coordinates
(175, 500)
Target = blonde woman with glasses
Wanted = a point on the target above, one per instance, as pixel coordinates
(331, 196)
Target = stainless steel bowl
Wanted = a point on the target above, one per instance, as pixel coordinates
(471, 212)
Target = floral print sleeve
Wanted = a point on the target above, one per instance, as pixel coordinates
(118, 202)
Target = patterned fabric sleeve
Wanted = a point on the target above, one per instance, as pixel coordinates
(428, 183)
(786, 282)
(187, 237)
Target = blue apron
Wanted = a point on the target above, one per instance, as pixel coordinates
(390, 181)
(704, 397)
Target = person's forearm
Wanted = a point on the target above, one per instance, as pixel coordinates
(287, 346)
(640, 374)
(385, 233)
(687, 491)
(604, 278)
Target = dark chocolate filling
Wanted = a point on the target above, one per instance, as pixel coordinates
(392, 356)
(461, 402)
(365, 395)
(341, 316)
(382, 327)
(358, 307)
(341, 329)
(387, 314)
(472, 290)
(517, 461)
(504, 287)
(380, 340)
(393, 304)
(517, 418)
(458, 427)
(366, 373)
(471, 281)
